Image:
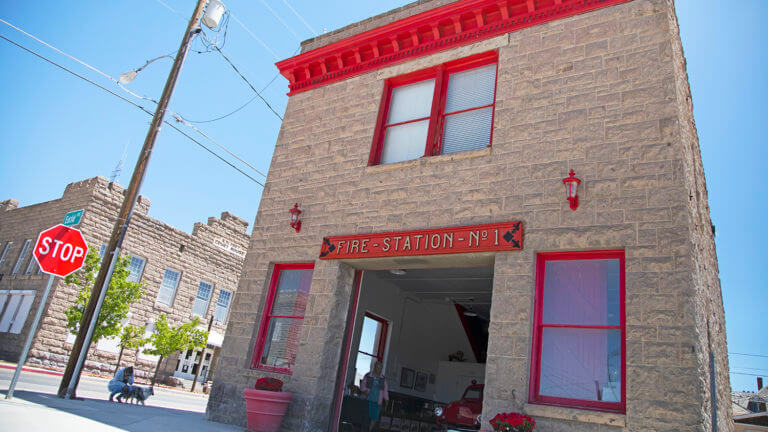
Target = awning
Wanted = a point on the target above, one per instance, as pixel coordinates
(215, 339)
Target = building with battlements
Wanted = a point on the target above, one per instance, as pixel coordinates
(184, 275)
(508, 192)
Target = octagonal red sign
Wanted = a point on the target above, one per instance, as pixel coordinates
(60, 250)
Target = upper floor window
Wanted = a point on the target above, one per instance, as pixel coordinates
(136, 268)
(5, 252)
(201, 300)
(278, 340)
(578, 354)
(168, 287)
(222, 306)
(32, 267)
(20, 259)
(440, 110)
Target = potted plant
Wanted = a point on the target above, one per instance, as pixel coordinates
(265, 405)
(512, 422)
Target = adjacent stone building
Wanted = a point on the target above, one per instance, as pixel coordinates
(183, 275)
(427, 149)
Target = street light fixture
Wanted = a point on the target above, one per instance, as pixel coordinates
(127, 77)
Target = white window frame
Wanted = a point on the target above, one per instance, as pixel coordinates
(140, 272)
(216, 313)
(22, 255)
(175, 288)
(205, 302)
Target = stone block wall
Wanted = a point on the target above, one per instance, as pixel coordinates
(604, 93)
(199, 256)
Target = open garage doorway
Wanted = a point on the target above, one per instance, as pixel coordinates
(429, 330)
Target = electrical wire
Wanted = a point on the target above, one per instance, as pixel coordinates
(256, 38)
(136, 95)
(300, 17)
(132, 103)
(748, 374)
(274, 14)
(78, 61)
(180, 119)
(248, 82)
(225, 115)
(748, 355)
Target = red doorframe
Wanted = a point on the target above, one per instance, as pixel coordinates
(342, 372)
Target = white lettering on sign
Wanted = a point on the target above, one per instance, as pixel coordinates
(228, 247)
(65, 253)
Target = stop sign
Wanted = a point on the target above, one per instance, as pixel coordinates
(60, 250)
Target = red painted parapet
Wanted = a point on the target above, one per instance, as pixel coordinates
(439, 29)
(465, 239)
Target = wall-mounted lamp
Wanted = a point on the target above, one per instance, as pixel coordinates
(572, 189)
(295, 214)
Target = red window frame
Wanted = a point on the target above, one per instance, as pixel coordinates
(382, 346)
(267, 316)
(534, 383)
(433, 146)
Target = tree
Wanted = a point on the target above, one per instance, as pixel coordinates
(117, 302)
(168, 339)
(131, 337)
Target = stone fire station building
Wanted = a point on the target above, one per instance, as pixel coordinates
(429, 150)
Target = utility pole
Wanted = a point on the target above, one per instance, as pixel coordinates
(90, 315)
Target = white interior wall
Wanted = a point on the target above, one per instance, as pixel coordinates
(421, 335)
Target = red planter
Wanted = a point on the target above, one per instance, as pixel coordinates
(265, 409)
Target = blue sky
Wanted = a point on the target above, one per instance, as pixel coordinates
(56, 129)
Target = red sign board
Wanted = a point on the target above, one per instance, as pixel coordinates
(60, 250)
(503, 236)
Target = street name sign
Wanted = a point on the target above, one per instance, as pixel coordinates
(60, 250)
(73, 217)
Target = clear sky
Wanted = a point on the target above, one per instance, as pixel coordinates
(56, 129)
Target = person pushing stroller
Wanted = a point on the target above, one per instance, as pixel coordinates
(121, 383)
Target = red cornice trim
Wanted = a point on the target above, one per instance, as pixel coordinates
(436, 30)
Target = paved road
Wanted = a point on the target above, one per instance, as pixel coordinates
(36, 408)
(96, 388)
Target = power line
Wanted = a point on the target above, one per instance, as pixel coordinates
(225, 115)
(180, 119)
(256, 38)
(746, 368)
(300, 17)
(77, 60)
(132, 103)
(298, 38)
(139, 96)
(247, 82)
(748, 374)
(748, 355)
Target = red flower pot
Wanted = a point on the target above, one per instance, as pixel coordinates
(265, 409)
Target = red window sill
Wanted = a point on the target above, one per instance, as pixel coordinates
(285, 371)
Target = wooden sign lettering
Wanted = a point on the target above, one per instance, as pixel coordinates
(503, 236)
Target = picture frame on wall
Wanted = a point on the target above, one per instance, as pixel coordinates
(420, 383)
(407, 377)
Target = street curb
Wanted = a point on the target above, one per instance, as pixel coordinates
(26, 369)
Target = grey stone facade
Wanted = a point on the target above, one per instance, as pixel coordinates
(199, 257)
(604, 93)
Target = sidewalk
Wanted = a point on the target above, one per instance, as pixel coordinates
(43, 412)
(36, 408)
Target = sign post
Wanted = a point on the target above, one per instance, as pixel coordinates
(59, 251)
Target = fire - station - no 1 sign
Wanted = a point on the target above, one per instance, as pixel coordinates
(60, 250)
